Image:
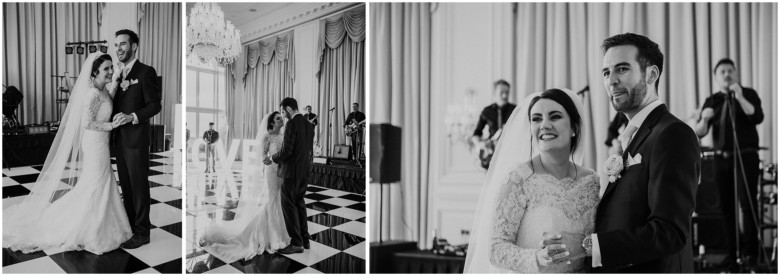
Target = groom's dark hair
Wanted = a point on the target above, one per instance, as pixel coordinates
(292, 103)
(133, 36)
(648, 52)
(564, 100)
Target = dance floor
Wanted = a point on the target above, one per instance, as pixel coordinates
(336, 225)
(161, 255)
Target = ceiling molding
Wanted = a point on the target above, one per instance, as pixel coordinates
(293, 15)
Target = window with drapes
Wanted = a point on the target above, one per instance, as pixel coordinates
(342, 70)
(205, 99)
(34, 37)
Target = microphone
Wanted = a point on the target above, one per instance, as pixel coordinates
(587, 88)
(329, 110)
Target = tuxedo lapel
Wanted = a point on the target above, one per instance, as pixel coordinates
(641, 135)
(645, 130)
(130, 76)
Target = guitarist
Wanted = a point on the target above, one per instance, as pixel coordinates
(494, 116)
(311, 117)
(354, 120)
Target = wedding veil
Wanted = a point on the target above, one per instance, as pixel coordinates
(514, 148)
(225, 239)
(62, 167)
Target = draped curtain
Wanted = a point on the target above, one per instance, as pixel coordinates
(400, 95)
(34, 37)
(160, 47)
(558, 45)
(268, 78)
(231, 94)
(341, 73)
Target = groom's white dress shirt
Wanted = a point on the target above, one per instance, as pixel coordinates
(637, 121)
(126, 69)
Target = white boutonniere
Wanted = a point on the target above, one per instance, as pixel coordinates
(127, 83)
(613, 166)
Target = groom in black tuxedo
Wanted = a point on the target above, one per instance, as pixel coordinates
(643, 220)
(294, 159)
(137, 99)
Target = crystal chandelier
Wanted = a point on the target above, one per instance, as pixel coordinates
(210, 37)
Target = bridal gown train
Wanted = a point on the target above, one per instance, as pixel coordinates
(535, 204)
(90, 216)
(262, 229)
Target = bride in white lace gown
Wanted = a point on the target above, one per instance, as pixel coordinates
(258, 225)
(536, 189)
(75, 202)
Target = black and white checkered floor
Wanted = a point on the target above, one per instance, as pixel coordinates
(336, 225)
(162, 255)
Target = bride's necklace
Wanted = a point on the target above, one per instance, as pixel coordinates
(567, 169)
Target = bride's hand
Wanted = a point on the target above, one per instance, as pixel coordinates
(553, 251)
(553, 254)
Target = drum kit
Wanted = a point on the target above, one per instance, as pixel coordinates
(708, 205)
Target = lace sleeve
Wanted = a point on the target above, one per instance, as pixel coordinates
(266, 145)
(90, 113)
(511, 208)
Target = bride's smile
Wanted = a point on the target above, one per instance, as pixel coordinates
(547, 136)
(550, 122)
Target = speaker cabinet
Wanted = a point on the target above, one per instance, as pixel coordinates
(385, 145)
(709, 227)
(708, 201)
(341, 151)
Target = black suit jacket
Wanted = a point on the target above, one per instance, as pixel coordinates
(143, 98)
(643, 221)
(294, 157)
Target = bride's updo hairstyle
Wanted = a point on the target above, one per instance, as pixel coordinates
(564, 100)
(271, 120)
(98, 61)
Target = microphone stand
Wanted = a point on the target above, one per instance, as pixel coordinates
(330, 128)
(739, 163)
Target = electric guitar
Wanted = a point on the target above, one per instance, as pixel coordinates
(486, 153)
(311, 121)
(354, 127)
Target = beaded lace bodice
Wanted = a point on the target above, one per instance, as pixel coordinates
(533, 204)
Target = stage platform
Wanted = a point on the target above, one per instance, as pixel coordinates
(340, 175)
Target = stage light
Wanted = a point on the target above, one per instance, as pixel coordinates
(69, 50)
(80, 50)
(92, 49)
(104, 49)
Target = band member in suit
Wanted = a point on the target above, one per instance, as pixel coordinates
(643, 221)
(493, 116)
(747, 114)
(295, 163)
(138, 100)
(210, 136)
(311, 117)
(356, 120)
